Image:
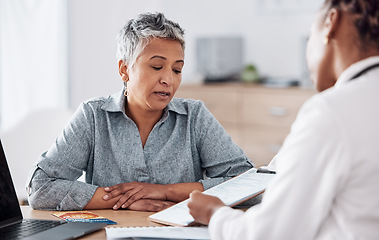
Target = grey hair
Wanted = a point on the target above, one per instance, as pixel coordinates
(136, 33)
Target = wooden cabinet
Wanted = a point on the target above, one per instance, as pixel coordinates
(257, 118)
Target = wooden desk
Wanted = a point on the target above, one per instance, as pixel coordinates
(124, 218)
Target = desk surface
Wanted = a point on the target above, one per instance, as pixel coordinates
(124, 218)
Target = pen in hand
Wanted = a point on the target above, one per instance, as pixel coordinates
(264, 170)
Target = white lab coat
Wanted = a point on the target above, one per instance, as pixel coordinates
(327, 183)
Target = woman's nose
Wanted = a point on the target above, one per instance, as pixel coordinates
(163, 81)
(167, 78)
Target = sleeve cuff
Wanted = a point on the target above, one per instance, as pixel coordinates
(221, 217)
(78, 197)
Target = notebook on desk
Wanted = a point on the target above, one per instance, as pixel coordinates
(14, 226)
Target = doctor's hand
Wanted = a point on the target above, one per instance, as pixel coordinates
(134, 191)
(202, 206)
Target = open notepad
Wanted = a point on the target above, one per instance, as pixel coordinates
(232, 192)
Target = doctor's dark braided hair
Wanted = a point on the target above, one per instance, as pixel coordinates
(365, 15)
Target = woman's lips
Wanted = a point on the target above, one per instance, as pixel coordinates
(163, 94)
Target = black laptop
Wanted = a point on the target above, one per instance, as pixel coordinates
(14, 226)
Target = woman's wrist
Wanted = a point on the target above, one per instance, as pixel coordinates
(97, 201)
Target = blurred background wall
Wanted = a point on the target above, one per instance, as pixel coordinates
(84, 33)
(274, 33)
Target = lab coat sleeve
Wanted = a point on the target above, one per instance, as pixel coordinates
(311, 168)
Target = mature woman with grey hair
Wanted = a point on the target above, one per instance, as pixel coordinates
(141, 149)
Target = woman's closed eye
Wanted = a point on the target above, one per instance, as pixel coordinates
(177, 71)
(156, 68)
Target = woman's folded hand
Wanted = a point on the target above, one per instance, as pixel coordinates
(150, 205)
(132, 192)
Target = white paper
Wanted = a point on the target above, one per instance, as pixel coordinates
(230, 192)
(177, 214)
(241, 187)
(158, 232)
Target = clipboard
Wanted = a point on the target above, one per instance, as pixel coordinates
(232, 192)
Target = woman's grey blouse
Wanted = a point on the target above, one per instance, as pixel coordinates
(186, 145)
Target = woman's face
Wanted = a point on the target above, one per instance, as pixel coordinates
(320, 55)
(156, 75)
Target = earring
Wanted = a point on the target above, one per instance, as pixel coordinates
(325, 40)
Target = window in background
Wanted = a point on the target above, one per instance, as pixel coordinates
(33, 57)
(220, 59)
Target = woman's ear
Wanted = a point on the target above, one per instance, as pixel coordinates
(331, 24)
(123, 71)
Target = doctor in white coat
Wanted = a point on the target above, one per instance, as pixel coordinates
(328, 168)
